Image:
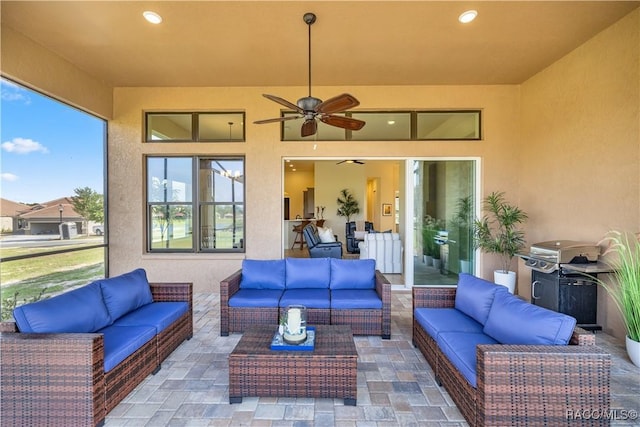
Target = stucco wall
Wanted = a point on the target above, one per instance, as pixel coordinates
(34, 66)
(580, 147)
(264, 153)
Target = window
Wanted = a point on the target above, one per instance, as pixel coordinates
(195, 193)
(198, 127)
(453, 125)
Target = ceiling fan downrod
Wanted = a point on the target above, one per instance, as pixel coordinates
(309, 18)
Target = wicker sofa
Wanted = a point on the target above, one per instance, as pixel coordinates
(335, 291)
(519, 364)
(70, 359)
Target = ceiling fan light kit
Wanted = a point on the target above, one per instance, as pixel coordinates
(310, 108)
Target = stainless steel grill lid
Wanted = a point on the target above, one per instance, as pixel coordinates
(566, 251)
(547, 256)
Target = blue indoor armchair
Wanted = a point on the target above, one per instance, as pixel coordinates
(317, 249)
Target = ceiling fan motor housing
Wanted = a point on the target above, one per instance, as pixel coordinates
(308, 103)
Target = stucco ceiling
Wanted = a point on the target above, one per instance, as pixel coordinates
(264, 43)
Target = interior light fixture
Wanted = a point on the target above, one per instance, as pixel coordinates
(468, 16)
(152, 17)
(391, 122)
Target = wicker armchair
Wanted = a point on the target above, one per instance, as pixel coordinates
(521, 385)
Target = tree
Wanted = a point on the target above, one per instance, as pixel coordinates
(89, 205)
(347, 205)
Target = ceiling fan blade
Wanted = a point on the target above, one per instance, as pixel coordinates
(337, 104)
(277, 119)
(357, 162)
(343, 122)
(309, 127)
(284, 102)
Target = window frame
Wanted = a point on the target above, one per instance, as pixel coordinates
(195, 126)
(196, 203)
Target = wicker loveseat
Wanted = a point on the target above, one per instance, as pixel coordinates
(519, 364)
(335, 291)
(70, 359)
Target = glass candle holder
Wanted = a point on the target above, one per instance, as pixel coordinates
(295, 327)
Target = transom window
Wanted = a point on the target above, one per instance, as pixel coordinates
(424, 125)
(194, 126)
(205, 194)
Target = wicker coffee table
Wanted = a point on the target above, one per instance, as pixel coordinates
(330, 370)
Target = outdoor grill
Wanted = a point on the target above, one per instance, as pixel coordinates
(562, 278)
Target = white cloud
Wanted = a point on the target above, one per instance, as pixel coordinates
(8, 177)
(12, 92)
(23, 146)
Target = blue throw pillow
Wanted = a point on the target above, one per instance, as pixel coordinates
(474, 296)
(262, 274)
(514, 321)
(353, 273)
(81, 310)
(126, 292)
(305, 273)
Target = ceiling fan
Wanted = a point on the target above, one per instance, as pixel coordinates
(358, 162)
(311, 108)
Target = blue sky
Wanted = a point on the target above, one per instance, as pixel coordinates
(47, 149)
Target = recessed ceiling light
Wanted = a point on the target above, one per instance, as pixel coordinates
(468, 16)
(152, 17)
(391, 122)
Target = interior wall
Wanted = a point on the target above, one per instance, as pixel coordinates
(295, 184)
(580, 153)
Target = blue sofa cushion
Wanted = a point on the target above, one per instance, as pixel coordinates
(345, 299)
(353, 273)
(474, 296)
(310, 298)
(262, 274)
(437, 320)
(306, 273)
(460, 349)
(160, 315)
(80, 310)
(256, 298)
(122, 341)
(126, 292)
(514, 321)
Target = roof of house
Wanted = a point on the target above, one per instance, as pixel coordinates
(11, 208)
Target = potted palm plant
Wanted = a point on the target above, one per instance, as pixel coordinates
(623, 256)
(347, 204)
(498, 232)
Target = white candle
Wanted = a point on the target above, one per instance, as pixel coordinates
(293, 321)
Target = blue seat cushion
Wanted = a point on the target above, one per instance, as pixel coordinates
(345, 299)
(160, 315)
(122, 341)
(126, 292)
(353, 273)
(305, 273)
(80, 310)
(255, 298)
(514, 321)
(474, 296)
(460, 349)
(262, 274)
(310, 298)
(437, 320)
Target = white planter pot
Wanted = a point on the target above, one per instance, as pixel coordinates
(465, 266)
(633, 351)
(437, 263)
(428, 260)
(507, 279)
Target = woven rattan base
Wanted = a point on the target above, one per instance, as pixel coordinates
(330, 370)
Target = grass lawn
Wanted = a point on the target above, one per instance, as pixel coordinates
(31, 279)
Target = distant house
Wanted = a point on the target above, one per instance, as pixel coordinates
(45, 218)
(10, 212)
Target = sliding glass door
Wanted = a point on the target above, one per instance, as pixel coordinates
(443, 211)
